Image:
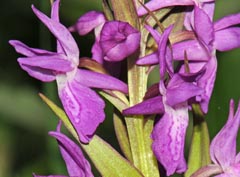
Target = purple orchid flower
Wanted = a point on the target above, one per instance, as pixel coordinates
(223, 146)
(83, 106)
(77, 165)
(223, 35)
(91, 20)
(159, 4)
(169, 132)
(115, 40)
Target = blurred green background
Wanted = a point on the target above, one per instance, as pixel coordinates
(25, 120)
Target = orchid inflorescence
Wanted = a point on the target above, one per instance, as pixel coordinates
(180, 39)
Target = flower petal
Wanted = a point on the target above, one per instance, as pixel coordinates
(194, 50)
(203, 26)
(207, 83)
(179, 91)
(158, 4)
(227, 39)
(56, 63)
(62, 34)
(118, 40)
(151, 59)
(98, 80)
(168, 138)
(223, 146)
(84, 108)
(88, 22)
(150, 106)
(28, 51)
(75, 161)
(228, 21)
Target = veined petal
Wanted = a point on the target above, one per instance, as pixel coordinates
(97, 53)
(194, 50)
(151, 59)
(43, 75)
(55, 63)
(165, 57)
(118, 40)
(203, 26)
(55, 16)
(158, 4)
(75, 161)
(207, 83)
(227, 21)
(62, 34)
(155, 34)
(88, 22)
(223, 146)
(147, 107)
(209, 7)
(179, 91)
(227, 39)
(169, 137)
(28, 51)
(83, 106)
(55, 10)
(98, 80)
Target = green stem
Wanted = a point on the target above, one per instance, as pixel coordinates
(199, 155)
(139, 129)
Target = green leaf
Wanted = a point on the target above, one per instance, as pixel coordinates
(122, 136)
(61, 115)
(107, 160)
(199, 155)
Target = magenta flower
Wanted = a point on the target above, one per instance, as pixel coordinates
(115, 40)
(91, 20)
(83, 106)
(222, 35)
(223, 146)
(159, 4)
(169, 131)
(74, 159)
(118, 40)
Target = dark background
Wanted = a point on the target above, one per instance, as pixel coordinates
(25, 120)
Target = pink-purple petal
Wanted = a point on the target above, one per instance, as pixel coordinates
(151, 59)
(207, 83)
(57, 63)
(179, 91)
(194, 50)
(223, 146)
(87, 22)
(118, 40)
(62, 34)
(84, 108)
(43, 75)
(228, 21)
(169, 137)
(150, 106)
(75, 161)
(203, 26)
(28, 51)
(98, 80)
(227, 39)
(158, 4)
